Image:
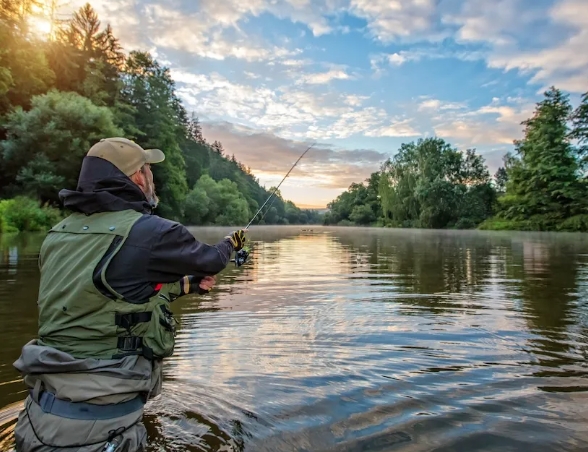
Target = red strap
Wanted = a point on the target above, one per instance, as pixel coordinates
(158, 287)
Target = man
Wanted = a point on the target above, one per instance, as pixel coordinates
(108, 272)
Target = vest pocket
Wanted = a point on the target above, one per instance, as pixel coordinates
(161, 332)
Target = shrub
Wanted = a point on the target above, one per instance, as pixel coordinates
(25, 214)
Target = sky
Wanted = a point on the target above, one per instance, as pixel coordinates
(268, 78)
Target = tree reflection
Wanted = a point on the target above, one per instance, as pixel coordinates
(438, 266)
(547, 273)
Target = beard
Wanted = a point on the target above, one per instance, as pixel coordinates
(151, 195)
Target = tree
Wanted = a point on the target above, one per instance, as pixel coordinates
(45, 145)
(357, 195)
(580, 129)
(221, 203)
(93, 57)
(24, 70)
(218, 148)
(159, 121)
(362, 214)
(430, 184)
(58, 97)
(543, 178)
(501, 178)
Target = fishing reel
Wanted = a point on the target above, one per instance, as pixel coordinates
(241, 257)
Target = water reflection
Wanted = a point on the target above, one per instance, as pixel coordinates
(355, 339)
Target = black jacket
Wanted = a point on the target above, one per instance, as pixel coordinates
(157, 250)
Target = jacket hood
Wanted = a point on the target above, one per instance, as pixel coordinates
(102, 187)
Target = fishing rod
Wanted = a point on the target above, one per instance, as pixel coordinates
(242, 255)
(276, 189)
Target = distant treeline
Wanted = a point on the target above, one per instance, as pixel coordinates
(429, 184)
(59, 96)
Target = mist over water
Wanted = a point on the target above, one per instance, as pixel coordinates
(353, 339)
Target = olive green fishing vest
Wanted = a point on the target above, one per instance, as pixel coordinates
(75, 317)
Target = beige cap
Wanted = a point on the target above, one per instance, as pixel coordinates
(125, 154)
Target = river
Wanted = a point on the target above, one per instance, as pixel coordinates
(358, 339)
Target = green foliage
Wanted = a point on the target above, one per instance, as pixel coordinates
(545, 188)
(358, 205)
(501, 178)
(497, 224)
(24, 70)
(25, 214)
(431, 185)
(580, 129)
(58, 97)
(362, 215)
(45, 145)
(161, 121)
(220, 203)
(577, 223)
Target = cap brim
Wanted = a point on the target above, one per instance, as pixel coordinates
(154, 155)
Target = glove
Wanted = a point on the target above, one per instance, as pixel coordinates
(237, 238)
(191, 284)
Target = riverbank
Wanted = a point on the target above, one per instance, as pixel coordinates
(578, 223)
(24, 214)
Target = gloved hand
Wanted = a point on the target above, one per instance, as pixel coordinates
(237, 238)
(193, 284)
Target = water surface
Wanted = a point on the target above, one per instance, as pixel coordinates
(351, 339)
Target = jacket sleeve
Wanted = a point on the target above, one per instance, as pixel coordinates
(176, 253)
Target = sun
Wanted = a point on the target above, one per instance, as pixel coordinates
(40, 26)
(40, 20)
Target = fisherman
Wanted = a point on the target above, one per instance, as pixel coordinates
(109, 272)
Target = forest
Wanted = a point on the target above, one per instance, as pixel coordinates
(541, 186)
(59, 96)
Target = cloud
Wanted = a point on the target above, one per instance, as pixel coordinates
(432, 105)
(324, 77)
(289, 111)
(396, 59)
(193, 33)
(494, 158)
(380, 62)
(550, 46)
(271, 155)
(211, 30)
(546, 45)
(497, 123)
(236, 63)
(395, 129)
(123, 15)
(406, 20)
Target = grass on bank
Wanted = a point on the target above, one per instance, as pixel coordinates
(578, 223)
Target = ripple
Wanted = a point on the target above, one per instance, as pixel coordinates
(367, 340)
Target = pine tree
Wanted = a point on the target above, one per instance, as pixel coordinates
(580, 129)
(543, 179)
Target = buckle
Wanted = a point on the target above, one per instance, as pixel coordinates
(129, 343)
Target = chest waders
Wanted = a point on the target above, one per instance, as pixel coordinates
(79, 319)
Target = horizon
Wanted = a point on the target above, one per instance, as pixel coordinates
(359, 78)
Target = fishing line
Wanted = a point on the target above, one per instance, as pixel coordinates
(276, 189)
(242, 255)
